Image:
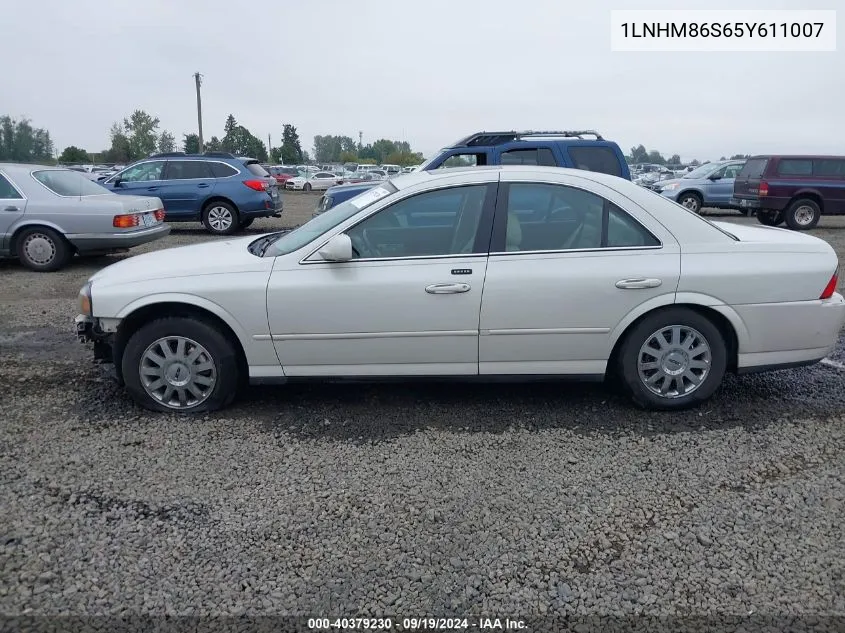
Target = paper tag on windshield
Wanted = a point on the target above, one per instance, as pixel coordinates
(368, 197)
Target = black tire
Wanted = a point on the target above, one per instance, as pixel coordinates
(803, 214)
(246, 222)
(307, 186)
(42, 249)
(629, 356)
(220, 218)
(691, 201)
(770, 218)
(218, 352)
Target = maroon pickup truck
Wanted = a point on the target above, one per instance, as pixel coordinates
(797, 190)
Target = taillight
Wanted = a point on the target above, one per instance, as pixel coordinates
(764, 188)
(159, 215)
(258, 185)
(830, 288)
(126, 221)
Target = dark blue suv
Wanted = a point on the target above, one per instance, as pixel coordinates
(552, 149)
(223, 191)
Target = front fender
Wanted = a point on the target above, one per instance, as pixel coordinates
(193, 300)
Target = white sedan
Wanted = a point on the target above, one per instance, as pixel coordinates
(490, 271)
(316, 181)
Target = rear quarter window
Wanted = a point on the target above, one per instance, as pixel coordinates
(601, 159)
(256, 169)
(829, 167)
(222, 170)
(754, 168)
(795, 167)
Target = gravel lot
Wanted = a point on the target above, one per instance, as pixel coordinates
(428, 499)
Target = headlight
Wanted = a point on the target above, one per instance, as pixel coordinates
(670, 187)
(85, 303)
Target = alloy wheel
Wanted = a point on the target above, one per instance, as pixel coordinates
(178, 372)
(674, 361)
(220, 218)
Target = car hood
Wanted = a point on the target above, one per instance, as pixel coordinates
(669, 181)
(209, 258)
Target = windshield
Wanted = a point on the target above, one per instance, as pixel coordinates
(701, 172)
(314, 228)
(65, 182)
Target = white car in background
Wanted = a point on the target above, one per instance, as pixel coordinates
(313, 181)
(486, 271)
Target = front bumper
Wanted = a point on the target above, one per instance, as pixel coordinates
(111, 241)
(88, 331)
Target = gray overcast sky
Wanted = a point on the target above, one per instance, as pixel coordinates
(428, 72)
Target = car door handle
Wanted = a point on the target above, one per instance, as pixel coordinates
(203, 185)
(11, 209)
(638, 282)
(152, 188)
(446, 289)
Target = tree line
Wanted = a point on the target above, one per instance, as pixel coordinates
(640, 154)
(139, 135)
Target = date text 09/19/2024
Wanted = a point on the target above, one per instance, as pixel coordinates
(417, 624)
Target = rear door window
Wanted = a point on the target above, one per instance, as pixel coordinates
(753, 168)
(186, 170)
(829, 167)
(795, 167)
(533, 156)
(602, 159)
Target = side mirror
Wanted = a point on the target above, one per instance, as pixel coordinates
(117, 182)
(715, 176)
(337, 249)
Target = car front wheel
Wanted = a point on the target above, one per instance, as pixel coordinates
(245, 223)
(802, 215)
(691, 201)
(672, 359)
(220, 218)
(42, 249)
(180, 364)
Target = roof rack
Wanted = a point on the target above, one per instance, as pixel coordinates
(166, 154)
(220, 154)
(497, 138)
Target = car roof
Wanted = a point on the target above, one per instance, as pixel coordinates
(19, 169)
(799, 156)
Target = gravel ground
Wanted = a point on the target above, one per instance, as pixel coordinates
(411, 500)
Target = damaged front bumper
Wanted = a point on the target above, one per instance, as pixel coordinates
(89, 330)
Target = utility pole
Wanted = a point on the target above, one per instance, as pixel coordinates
(269, 148)
(360, 140)
(198, 79)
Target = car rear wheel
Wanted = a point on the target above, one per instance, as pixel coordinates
(803, 214)
(220, 218)
(180, 364)
(770, 218)
(42, 249)
(691, 201)
(307, 186)
(672, 359)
